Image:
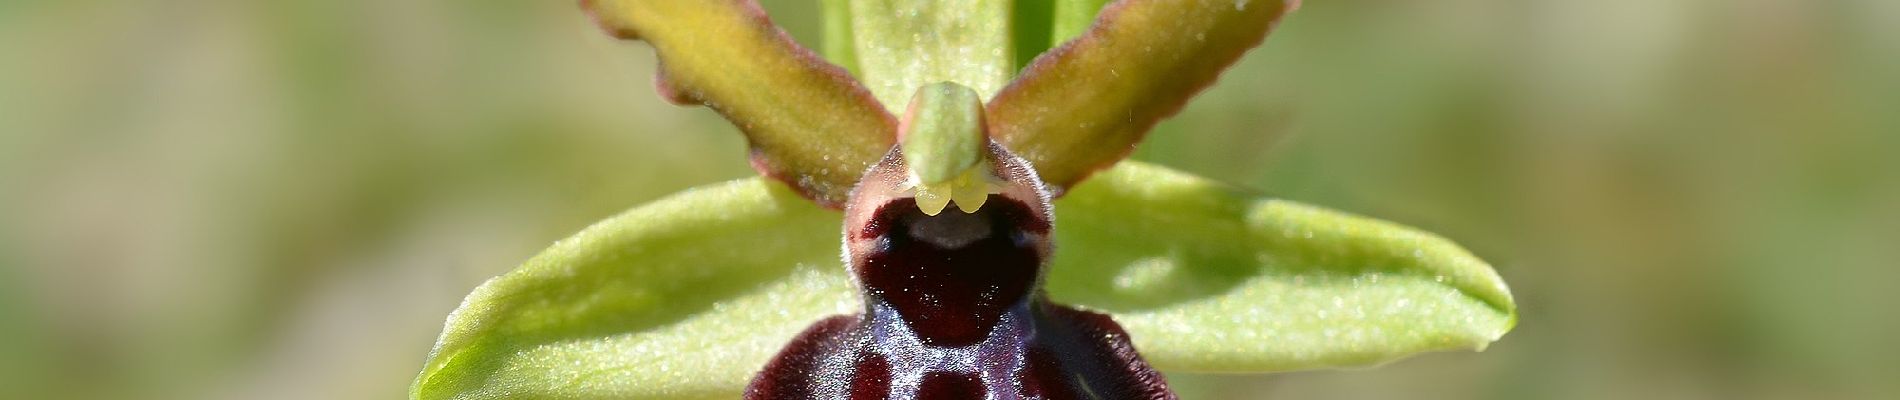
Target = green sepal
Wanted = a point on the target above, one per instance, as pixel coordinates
(682, 298)
(1207, 278)
(903, 45)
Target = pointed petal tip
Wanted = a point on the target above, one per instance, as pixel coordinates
(1069, 120)
(808, 122)
(594, 12)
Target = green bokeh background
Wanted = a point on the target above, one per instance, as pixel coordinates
(226, 199)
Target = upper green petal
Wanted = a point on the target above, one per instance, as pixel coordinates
(810, 124)
(683, 298)
(1084, 105)
(1206, 278)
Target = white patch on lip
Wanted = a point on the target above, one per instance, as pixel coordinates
(995, 360)
(950, 230)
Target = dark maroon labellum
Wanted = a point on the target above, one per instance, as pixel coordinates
(951, 277)
(953, 309)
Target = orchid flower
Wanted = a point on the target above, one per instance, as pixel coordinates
(995, 244)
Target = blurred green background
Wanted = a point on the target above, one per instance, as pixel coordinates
(227, 199)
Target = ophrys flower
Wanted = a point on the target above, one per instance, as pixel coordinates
(692, 296)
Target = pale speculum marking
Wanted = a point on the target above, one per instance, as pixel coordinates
(948, 231)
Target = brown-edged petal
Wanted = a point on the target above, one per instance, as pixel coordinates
(1084, 105)
(810, 124)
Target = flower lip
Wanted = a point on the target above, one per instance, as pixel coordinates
(951, 296)
(952, 275)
